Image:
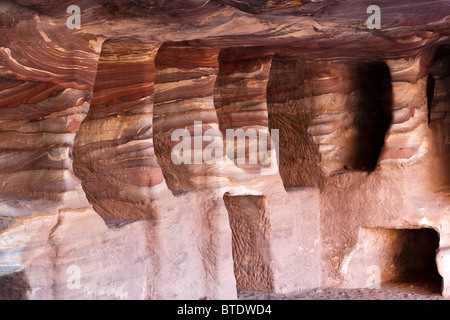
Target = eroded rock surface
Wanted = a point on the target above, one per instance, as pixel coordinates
(93, 205)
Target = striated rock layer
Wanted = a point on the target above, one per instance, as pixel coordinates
(354, 124)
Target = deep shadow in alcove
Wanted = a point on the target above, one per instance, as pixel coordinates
(373, 115)
(406, 257)
(14, 286)
(438, 93)
(430, 94)
(419, 259)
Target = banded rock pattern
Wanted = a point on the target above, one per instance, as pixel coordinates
(240, 100)
(114, 146)
(110, 95)
(44, 97)
(410, 112)
(116, 161)
(438, 91)
(333, 116)
(185, 114)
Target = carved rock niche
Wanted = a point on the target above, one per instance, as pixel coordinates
(220, 149)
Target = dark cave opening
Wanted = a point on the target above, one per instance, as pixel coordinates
(431, 82)
(438, 94)
(373, 114)
(406, 257)
(333, 117)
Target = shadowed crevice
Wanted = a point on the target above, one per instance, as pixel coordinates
(373, 115)
(14, 286)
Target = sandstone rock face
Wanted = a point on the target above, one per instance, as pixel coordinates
(342, 180)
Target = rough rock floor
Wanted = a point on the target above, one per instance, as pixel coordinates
(392, 291)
